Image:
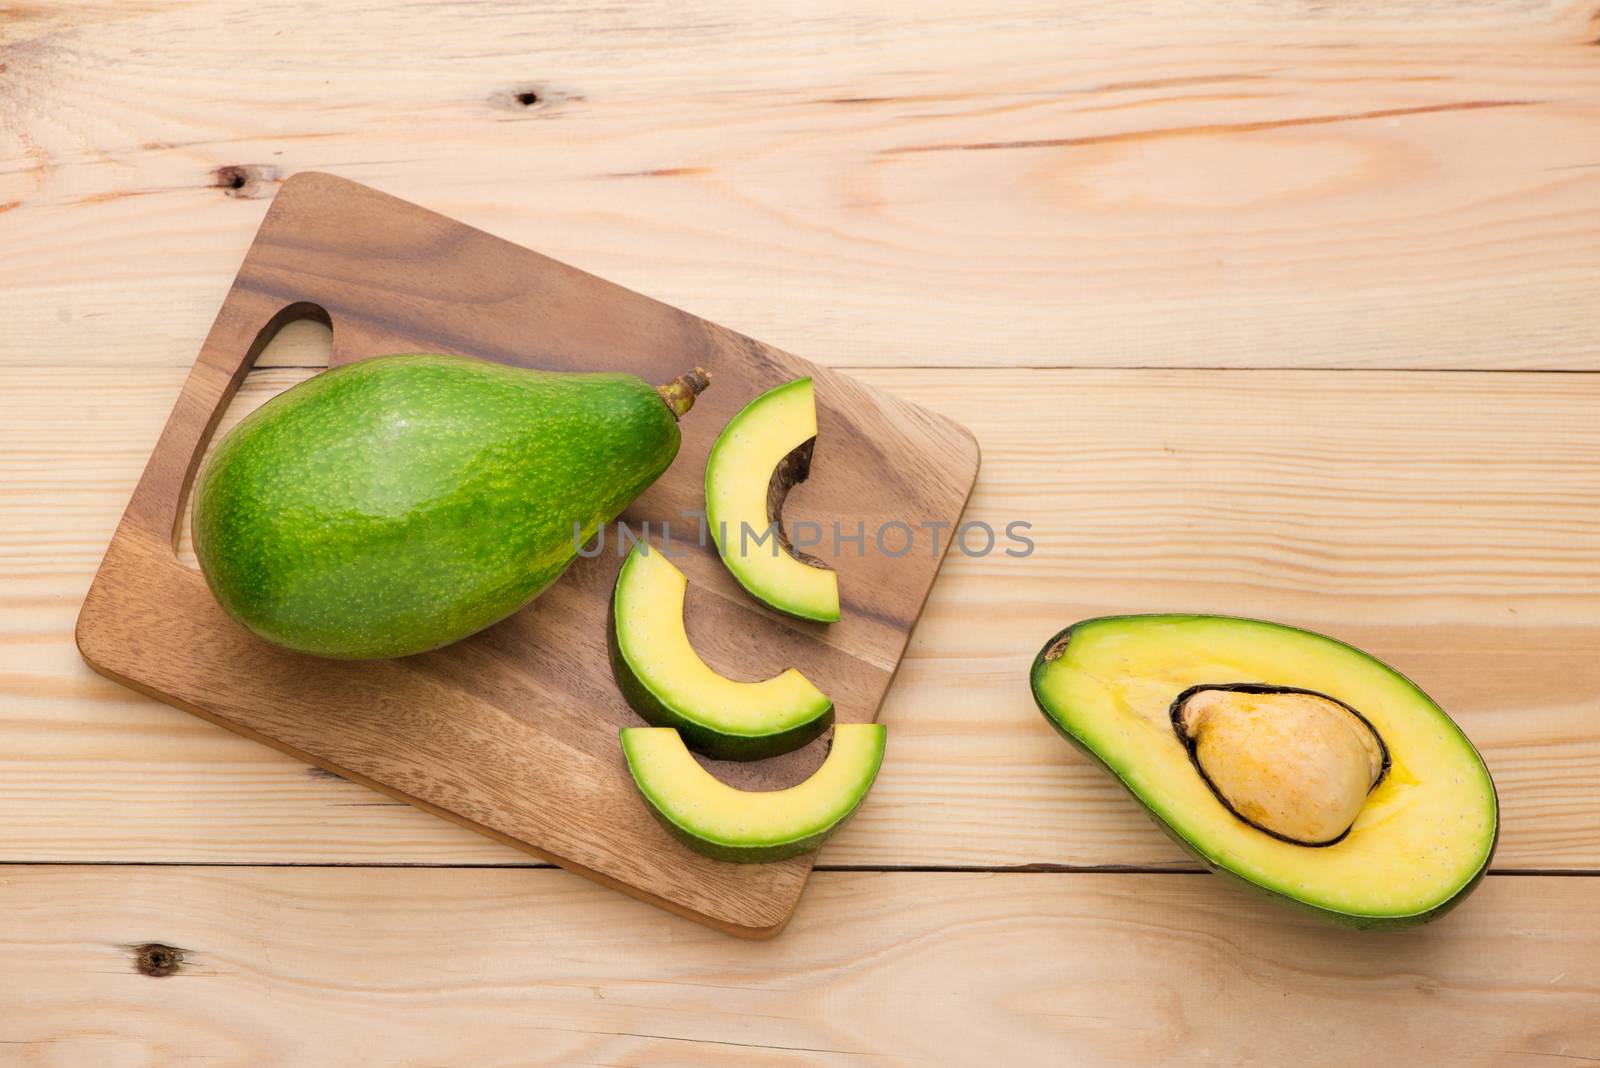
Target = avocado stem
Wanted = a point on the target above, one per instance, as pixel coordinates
(679, 394)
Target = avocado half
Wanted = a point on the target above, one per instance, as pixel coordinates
(1288, 760)
(665, 681)
(759, 456)
(752, 826)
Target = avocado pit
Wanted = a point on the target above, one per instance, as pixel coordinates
(1294, 763)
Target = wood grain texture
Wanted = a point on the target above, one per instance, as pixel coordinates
(1150, 183)
(513, 731)
(413, 967)
(1443, 521)
(1013, 185)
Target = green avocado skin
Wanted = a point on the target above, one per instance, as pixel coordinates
(1339, 919)
(401, 503)
(696, 736)
(753, 854)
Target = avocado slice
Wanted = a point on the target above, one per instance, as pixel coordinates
(1288, 760)
(746, 826)
(758, 457)
(668, 684)
(400, 503)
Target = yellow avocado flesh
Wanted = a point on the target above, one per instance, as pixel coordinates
(738, 474)
(1422, 835)
(695, 801)
(648, 608)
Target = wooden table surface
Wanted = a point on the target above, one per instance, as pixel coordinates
(1268, 308)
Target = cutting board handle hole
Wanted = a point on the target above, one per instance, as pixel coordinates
(295, 345)
(303, 340)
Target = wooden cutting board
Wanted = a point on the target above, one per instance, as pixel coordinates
(513, 732)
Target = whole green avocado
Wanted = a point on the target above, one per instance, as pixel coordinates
(401, 503)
